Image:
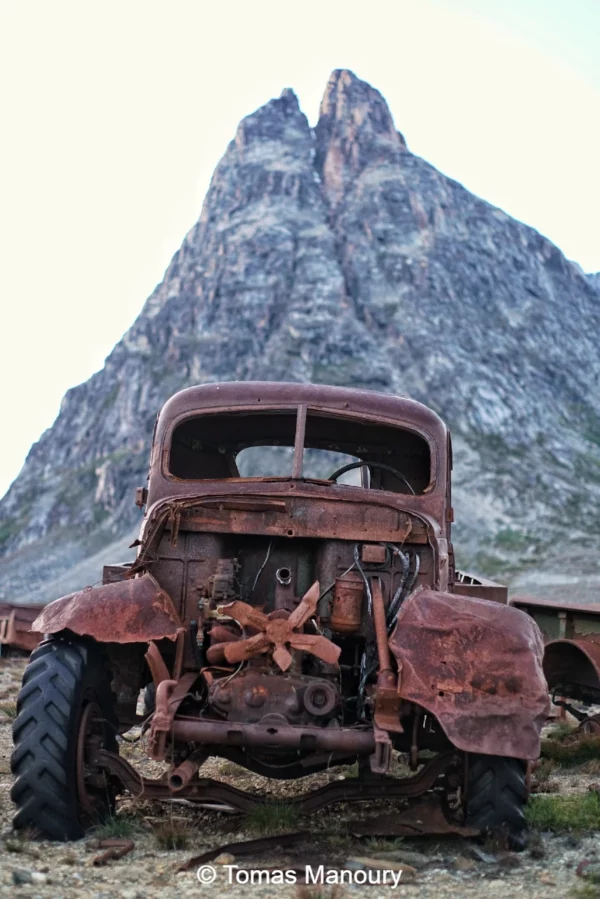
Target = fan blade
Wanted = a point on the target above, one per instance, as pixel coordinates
(244, 614)
(318, 646)
(282, 657)
(307, 607)
(245, 649)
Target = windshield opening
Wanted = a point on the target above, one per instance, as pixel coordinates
(261, 445)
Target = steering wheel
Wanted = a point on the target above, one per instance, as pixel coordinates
(352, 465)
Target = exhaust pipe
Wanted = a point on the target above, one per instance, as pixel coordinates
(181, 776)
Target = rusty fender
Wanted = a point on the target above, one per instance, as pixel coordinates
(477, 667)
(574, 664)
(130, 611)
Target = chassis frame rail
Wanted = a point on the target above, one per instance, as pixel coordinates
(208, 790)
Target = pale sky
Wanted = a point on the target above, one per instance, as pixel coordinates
(115, 113)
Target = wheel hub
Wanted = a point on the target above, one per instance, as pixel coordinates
(92, 783)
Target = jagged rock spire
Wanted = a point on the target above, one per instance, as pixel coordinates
(355, 129)
(337, 256)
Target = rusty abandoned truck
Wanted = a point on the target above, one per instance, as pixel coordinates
(295, 605)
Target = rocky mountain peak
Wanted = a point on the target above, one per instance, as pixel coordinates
(337, 256)
(278, 120)
(355, 129)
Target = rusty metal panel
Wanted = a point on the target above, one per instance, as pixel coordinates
(15, 626)
(561, 620)
(132, 611)
(347, 605)
(373, 554)
(113, 573)
(573, 667)
(491, 592)
(572, 635)
(524, 602)
(276, 633)
(479, 588)
(476, 666)
(302, 518)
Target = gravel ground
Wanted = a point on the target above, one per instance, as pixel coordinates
(443, 867)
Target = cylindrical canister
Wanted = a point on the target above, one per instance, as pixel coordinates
(346, 609)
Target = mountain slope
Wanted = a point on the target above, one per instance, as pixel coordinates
(338, 256)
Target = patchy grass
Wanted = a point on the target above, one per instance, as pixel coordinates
(9, 709)
(564, 813)
(339, 840)
(562, 729)
(376, 844)
(586, 749)
(543, 777)
(173, 835)
(587, 891)
(230, 769)
(272, 818)
(118, 827)
(545, 768)
(545, 786)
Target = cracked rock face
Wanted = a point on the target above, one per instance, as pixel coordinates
(335, 255)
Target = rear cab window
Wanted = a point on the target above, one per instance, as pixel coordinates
(282, 443)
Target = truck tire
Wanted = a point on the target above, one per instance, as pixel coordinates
(65, 699)
(496, 797)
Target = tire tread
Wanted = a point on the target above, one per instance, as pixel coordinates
(44, 789)
(497, 795)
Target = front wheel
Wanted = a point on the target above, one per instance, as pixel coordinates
(65, 710)
(497, 796)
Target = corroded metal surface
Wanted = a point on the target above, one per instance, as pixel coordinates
(258, 691)
(273, 735)
(281, 593)
(476, 666)
(426, 817)
(114, 850)
(572, 668)
(131, 611)
(238, 396)
(351, 789)
(572, 636)
(347, 606)
(15, 626)
(481, 588)
(276, 634)
(553, 605)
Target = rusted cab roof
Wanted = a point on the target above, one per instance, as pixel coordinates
(234, 394)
